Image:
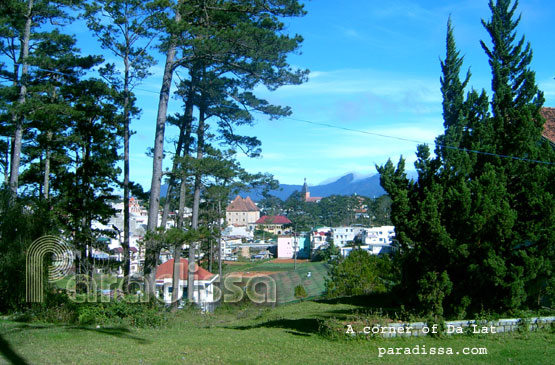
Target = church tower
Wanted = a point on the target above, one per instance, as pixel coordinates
(305, 193)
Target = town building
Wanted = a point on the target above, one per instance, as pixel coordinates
(276, 224)
(375, 240)
(242, 212)
(204, 283)
(288, 245)
(320, 237)
(341, 236)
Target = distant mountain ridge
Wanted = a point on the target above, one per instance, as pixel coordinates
(345, 185)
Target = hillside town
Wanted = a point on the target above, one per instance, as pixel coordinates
(277, 236)
(238, 242)
(277, 182)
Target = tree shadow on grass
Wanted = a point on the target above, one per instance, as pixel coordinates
(375, 300)
(9, 354)
(118, 331)
(300, 327)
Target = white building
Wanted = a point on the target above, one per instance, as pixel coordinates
(378, 235)
(229, 244)
(376, 240)
(343, 235)
(204, 283)
(320, 237)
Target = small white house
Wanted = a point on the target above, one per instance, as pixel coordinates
(204, 283)
(378, 235)
(376, 240)
(344, 235)
(319, 237)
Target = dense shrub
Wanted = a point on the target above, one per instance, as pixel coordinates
(21, 222)
(60, 309)
(359, 274)
(122, 313)
(300, 292)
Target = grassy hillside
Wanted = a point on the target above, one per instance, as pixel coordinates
(287, 278)
(286, 334)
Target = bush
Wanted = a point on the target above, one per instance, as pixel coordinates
(331, 252)
(358, 274)
(60, 309)
(300, 292)
(21, 222)
(122, 313)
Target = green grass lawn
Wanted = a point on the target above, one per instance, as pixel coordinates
(287, 277)
(253, 335)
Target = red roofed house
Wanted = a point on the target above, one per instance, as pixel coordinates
(306, 194)
(241, 212)
(204, 282)
(276, 224)
(549, 126)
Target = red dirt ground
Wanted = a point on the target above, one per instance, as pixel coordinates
(287, 261)
(250, 274)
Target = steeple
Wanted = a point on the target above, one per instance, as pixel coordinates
(305, 187)
(305, 193)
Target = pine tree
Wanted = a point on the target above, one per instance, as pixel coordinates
(125, 28)
(20, 23)
(85, 189)
(217, 39)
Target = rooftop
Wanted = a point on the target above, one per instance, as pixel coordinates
(275, 219)
(549, 126)
(165, 271)
(242, 205)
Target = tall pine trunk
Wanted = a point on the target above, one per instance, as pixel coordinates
(183, 144)
(126, 121)
(151, 251)
(220, 241)
(177, 247)
(196, 201)
(47, 157)
(18, 134)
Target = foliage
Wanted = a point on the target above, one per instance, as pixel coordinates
(122, 313)
(476, 229)
(300, 292)
(330, 252)
(358, 274)
(58, 308)
(261, 234)
(21, 223)
(334, 211)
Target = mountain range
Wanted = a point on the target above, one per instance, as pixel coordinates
(346, 185)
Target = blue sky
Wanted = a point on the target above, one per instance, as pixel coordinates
(374, 68)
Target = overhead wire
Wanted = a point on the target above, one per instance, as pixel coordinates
(382, 135)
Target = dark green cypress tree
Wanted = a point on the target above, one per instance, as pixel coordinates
(483, 223)
(517, 126)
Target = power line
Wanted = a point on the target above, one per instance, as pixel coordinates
(361, 131)
(421, 142)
